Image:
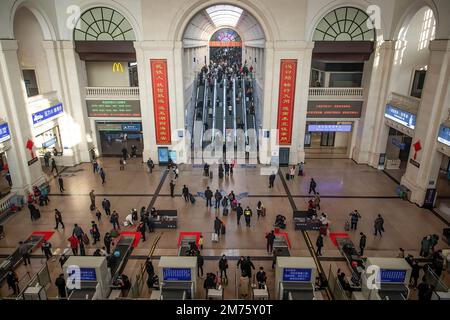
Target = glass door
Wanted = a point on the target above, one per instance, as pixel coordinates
(327, 139)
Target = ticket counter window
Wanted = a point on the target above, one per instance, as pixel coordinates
(49, 141)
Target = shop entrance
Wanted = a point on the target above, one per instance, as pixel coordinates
(328, 139)
(397, 153)
(114, 136)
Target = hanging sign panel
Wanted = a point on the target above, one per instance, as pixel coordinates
(400, 116)
(4, 132)
(444, 135)
(161, 100)
(286, 95)
(334, 109)
(113, 108)
(48, 114)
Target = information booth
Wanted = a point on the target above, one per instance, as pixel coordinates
(390, 282)
(295, 278)
(178, 277)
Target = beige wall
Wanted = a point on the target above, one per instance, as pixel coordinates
(31, 52)
(100, 74)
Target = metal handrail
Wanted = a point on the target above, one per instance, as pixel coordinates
(234, 110)
(213, 138)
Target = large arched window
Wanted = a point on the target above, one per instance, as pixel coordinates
(345, 24)
(103, 24)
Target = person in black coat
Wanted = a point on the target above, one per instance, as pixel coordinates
(319, 245)
(208, 196)
(272, 179)
(172, 188)
(60, 283)
(270, 240)
(415, 273)
(13, 281)
(185, 193)
(223, 266)
(217, 225)
(248, 267)
(106, 205)
(200, 263)
(107, 241)
(61, 184)
(425, 291)
(362, 243)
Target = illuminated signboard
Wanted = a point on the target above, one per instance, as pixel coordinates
(88, 274)
(444, 135)
(46, 115)
(131, 127)
(392, 276)
(177, 274)
(286, 95)
(398, 115)
(161, 106)
(296, 275)
(334, 109)
(4, 132)
(329, 128)
(113, 108)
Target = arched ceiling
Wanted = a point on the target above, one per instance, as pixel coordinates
(213, 18)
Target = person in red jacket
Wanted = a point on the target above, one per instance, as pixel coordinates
(74, 245)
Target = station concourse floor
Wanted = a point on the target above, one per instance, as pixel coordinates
(343, 185)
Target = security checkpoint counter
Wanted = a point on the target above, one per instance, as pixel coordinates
(178, 277)
(295, 278)
(92, 275)
(386, 279)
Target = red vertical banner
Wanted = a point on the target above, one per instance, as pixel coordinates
(286, 95)
(161, 100)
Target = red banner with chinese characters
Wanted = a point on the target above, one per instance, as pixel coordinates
(288, 73)
(161, 100)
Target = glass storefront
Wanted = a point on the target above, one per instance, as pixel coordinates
(328, 139)
(114, 136)
(48, 140)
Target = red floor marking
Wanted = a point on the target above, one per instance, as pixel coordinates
(47, 235)
(333, 237)
(137, 237)
(184, 234)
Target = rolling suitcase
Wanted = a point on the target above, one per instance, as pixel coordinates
(210, 175)
(192, 198)
(287, 176)
(223, 229)
(225, 212)
(92, 207)
(214, 237)
(85, 239)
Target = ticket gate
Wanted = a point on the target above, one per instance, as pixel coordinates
(391, 279)
(281, 246)
(185, 245)
(178, 277)
(295, 278)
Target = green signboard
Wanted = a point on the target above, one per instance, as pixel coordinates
(113, 108)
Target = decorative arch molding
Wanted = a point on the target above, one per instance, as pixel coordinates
(115, 5)
(47, 28)
(336, 4)
(257, 10)
(404, 21)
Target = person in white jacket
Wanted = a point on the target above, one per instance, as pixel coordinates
(129, 220)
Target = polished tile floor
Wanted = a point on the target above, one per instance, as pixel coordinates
(343, 185)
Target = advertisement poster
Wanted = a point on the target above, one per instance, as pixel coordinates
(286, 95)
(161, 101)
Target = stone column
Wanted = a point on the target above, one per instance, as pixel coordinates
(172, 52)
(433, 111)
(65, 73)
(302, 52)
(14, 108)
(372, 133)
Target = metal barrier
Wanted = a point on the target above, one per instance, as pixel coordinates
(433, 279)
(41, 278)
(335, 286)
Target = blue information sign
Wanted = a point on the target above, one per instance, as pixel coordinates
(392, 276)
(45, 115)
(296, 274)
(398, 115)
(177, 274)
(49, 143)
(5, 134)
(398, 144)
(329, 128)
(444, 135)
(131, 127)
(88, 274)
